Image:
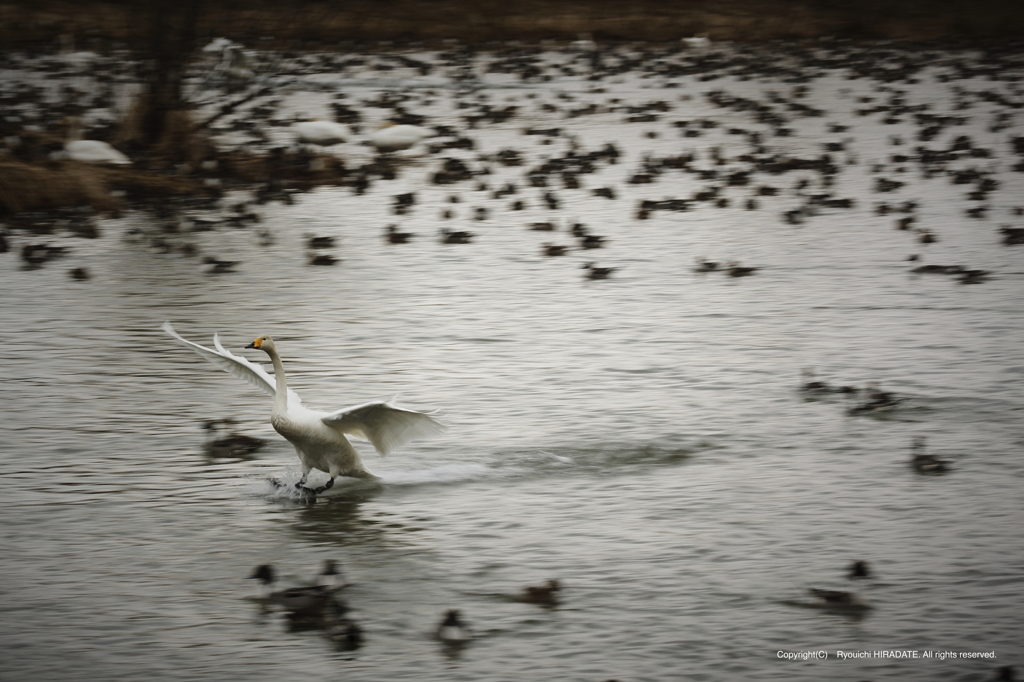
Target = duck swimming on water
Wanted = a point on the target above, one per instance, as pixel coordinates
(452, 629)
(837, 599)
(925, 463)
(307, 599)
(859, 569)
(319, 438)
(542, 594)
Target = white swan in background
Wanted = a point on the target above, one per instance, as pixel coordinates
(392, 138)
(89, 151)
(323, 133)
(319, 437)
(699, 41)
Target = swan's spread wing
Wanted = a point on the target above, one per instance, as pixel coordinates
(384, 425)
(233, 364)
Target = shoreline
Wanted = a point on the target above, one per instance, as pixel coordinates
(400, 22)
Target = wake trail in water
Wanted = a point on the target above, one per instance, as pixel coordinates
(515, 465)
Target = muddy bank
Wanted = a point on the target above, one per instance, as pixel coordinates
(319, 23)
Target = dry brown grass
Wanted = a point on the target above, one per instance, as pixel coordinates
(33, 187)
(181, 141)
(26, 187)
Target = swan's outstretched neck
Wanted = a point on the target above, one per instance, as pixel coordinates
(281, 397)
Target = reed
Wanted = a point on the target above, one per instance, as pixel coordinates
(39, 187)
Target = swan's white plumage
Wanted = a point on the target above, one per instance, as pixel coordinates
(319, 437)
(387, 427)
(89, 151)
(235, 365)
(325, 133)
(94, 151)
(393, 137)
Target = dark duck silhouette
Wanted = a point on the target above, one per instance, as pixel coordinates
(859, 569)
(224, 443)
(594, 272)
(546, 594)
(923, 462)
(452, 629)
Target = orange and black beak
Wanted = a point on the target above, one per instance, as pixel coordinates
(255, 344)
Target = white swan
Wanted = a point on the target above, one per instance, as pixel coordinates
(391, 137)
(323, 133)
(319, 437)
(89, 151)
(699, 41)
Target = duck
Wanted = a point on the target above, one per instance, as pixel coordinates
(79, 273)
(218, 266)
(930, 269)
(392, 138)
(34, 255)
(231, 444)
(973, 276)
(810, 384)
(321, 133)
(309, 599)
(924, 463)
(452, 629)
(1005, 674)
(542, 594)
(837, 599)
(322, 259)
(395, 237)
(303, 601)
(450, 237)
(319, 242)
(594, 272)
(331, 576)
(89, 151)
(319, 438)
(549, 249)
(734, 269)
(342, 629)
(859, 569)
(704, 265)
(877, 400)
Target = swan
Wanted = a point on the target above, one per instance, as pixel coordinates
(391, 137)
(699, 41)
(323, 133)
(319, 438)
(89, 151)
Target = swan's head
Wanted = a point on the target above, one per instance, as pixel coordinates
(263, 342)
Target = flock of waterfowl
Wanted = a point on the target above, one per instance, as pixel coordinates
(446, 125)
(872, 401)
(319, 606)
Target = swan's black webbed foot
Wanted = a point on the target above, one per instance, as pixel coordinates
(325, 486)
(306, 493)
